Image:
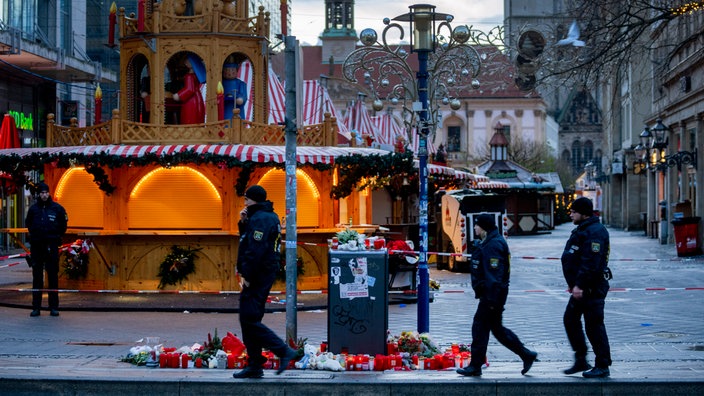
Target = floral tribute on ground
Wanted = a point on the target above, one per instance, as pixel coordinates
(407, 351)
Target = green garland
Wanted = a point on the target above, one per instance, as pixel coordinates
(352, 169)
(177, 265)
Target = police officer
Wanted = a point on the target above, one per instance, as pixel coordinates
(46, 221)
(584, 265)
(491, 269)
(257, 264)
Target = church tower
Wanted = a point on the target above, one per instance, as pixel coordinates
(339, 37)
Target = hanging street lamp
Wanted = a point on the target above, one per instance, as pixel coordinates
(446, 65)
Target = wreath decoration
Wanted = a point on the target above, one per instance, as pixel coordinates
(281, 273)
(177, 265)
(75, 256)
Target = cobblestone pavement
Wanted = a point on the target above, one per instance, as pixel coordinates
(654, 317)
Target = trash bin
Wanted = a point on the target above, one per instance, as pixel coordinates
(686, 236)
(358, 304)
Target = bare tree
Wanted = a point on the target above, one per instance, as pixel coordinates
(532, 155)
(610, 35)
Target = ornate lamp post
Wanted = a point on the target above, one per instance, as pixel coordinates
(445, 64)
(659, 160)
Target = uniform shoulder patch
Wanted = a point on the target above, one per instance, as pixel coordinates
(494, 262)
(258, 235)
(596, 247)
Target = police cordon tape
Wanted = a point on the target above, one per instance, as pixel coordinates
(416, 253)
(299, 292)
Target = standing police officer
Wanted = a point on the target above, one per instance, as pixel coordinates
(491, 270)
(257, 264)
(46, 221)
(585, 267)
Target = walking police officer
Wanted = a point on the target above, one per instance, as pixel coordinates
(491, 270)
(257, 264)
(585, 267)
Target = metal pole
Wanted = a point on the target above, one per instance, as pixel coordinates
(291, 132)
(423, 276)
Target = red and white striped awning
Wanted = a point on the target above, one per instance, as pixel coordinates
(490, 185)
(260, 154)
(470, 176)
(316, 102)
(434, 169)
(388, 129)
(245, 73)
(358, 120)
(277, 99)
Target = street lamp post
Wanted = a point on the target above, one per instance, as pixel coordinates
(445, 64)
(654, 144)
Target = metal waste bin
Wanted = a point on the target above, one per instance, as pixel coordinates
(687, 235)
(358, 305)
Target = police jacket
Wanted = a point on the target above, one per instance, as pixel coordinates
(260, 239)
(491, 269)
(586, 257)
(46, 222)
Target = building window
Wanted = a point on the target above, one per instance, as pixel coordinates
(588, 152)
(576, 156)
(453, 138)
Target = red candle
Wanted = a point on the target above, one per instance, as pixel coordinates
(112, 21)
(163, 360)
(199, 362)
(98, 105)
(230, 361)
(174, 360)
(184, 360)
(140, 16)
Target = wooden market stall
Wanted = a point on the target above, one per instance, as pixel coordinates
(168, 172)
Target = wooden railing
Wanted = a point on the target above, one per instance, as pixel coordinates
(211, 19)
(237, 131)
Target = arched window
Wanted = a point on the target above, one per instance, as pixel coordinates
(576, 161)
(84, 209)
(307, 199)
(179, 197)
(588, 151)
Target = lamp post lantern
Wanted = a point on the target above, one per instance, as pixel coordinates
(445, 64)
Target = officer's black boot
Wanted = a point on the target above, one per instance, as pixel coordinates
(580, 365)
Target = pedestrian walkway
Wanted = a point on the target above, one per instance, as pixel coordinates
(654, 318)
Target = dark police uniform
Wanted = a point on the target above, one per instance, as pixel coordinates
(46, 222)
(257, 262)
(491, 270)
(585, 264)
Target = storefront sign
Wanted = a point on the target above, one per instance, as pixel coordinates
(23, 121)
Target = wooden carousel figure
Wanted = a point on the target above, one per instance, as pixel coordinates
(190, 97)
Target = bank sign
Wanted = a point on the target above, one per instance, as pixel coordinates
(23, 121)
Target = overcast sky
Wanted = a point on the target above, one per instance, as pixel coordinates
(308, 16)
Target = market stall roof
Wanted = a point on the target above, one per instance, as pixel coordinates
(261, 154)
(490, 185)
(435, 169)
